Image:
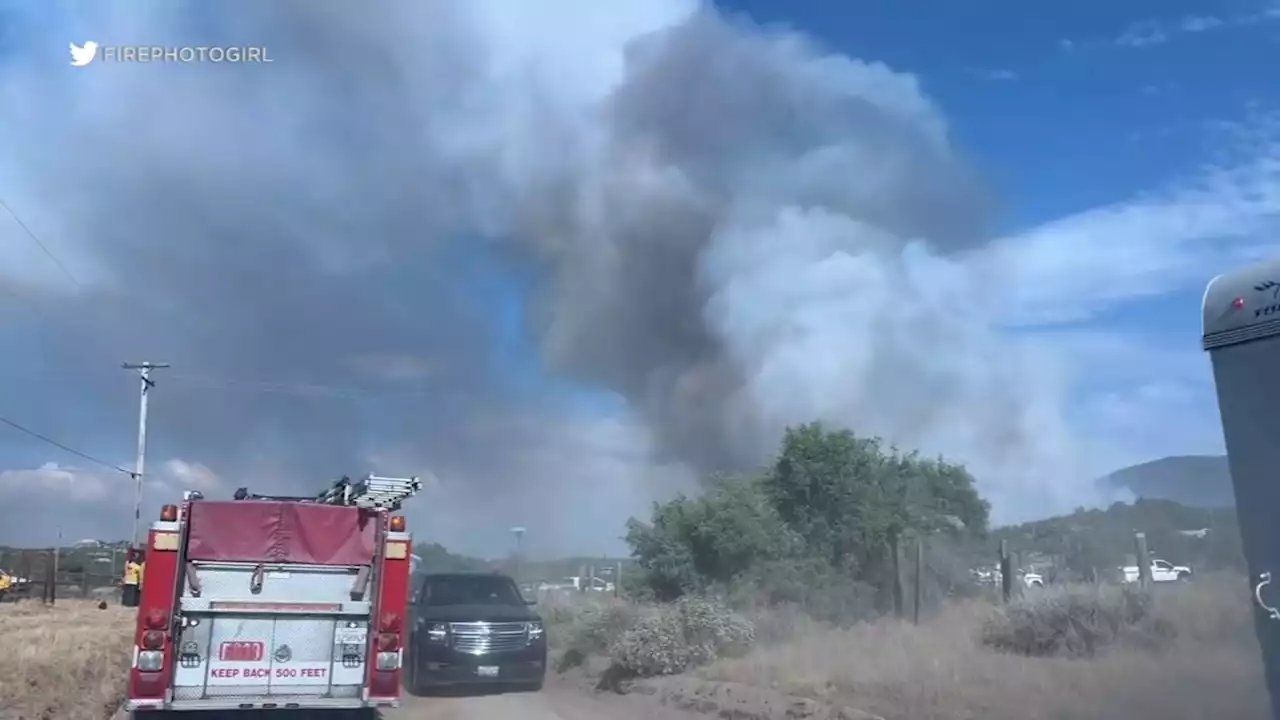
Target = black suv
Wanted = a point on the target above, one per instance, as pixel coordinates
(473, 629)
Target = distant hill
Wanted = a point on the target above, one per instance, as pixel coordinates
(1097, 539)
(1197, 480)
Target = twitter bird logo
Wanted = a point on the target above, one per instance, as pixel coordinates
(83, 55)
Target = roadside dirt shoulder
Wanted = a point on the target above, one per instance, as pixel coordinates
(695, 696)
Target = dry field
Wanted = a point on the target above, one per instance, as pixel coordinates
(939, 671)
(68, 663)
(65, 662)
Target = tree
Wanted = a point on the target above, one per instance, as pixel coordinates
(851, 500)
(832, 504)
(436, 558)
(714, 538)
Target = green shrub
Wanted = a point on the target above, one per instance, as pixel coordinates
(590, 629)
(685, 634)
(1076, 621)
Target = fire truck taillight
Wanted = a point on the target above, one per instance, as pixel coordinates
(387, 661)
(389, 626)
(150, 661)
(389, 623)
(397, 523)
(169, 513)
(152, 640)
(155, 620)
(388, 642)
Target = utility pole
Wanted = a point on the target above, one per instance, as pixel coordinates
(144, 372)
(519, 533)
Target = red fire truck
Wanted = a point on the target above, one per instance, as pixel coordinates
(275, 602)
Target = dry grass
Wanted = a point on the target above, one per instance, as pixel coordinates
(939, 671)
(67, 662)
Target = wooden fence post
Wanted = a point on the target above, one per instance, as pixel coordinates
(1006, 572)
(919, 589)
(898, 601)
(51, 577)
(1143, 559)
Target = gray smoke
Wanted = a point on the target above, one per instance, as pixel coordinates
(725, 226)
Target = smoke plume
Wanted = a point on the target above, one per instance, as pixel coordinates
(726, 227)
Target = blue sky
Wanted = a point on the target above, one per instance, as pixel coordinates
(1059, 106)
(1132, 151)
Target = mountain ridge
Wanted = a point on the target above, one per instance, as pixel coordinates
(1195, 480)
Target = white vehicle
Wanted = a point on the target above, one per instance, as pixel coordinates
(594, 584)
(995, 577)
(1161, 571)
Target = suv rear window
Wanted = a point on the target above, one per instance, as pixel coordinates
(480, 590)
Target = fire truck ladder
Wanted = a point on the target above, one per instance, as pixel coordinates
(372, 491)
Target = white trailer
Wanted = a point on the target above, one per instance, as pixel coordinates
(1241, 333)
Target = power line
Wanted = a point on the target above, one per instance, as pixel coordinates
(40, 243)
(61, 446)
(284, 388)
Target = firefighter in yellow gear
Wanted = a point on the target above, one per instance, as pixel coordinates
(5, 583)
(131, 587)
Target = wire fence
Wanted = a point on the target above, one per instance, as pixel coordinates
(47, 574)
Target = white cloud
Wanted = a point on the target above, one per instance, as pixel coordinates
(1173, 239)
(998, 74)
(93, 485)
(1134, 394)
(1153, 32)
(185, 475)
(1144, 34)
(1147, 33)
(1195, 23)
(52, 480)
(88, 501)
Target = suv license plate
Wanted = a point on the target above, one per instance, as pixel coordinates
(487, 671)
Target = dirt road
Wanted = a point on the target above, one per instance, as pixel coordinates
(552, 703)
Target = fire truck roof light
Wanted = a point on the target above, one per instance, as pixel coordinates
(397, 523)
(169, 513)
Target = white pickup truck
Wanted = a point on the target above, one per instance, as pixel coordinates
(988, 576)
(576, 583)
(1161, 571)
